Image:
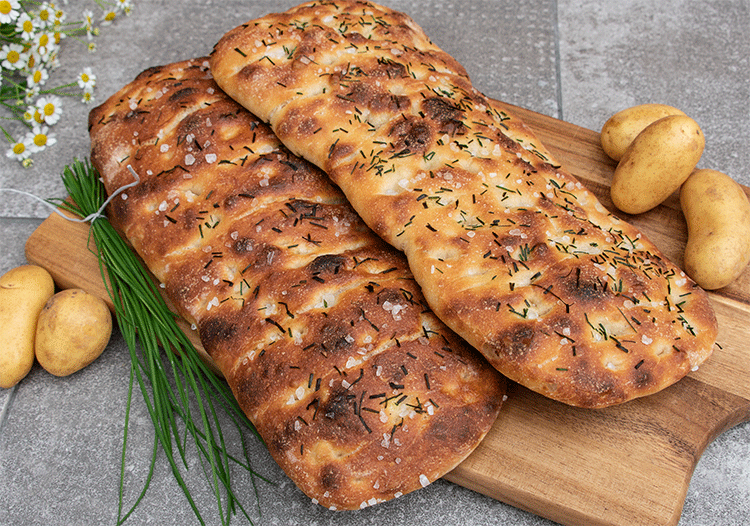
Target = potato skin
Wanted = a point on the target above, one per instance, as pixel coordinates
(717, 212)
(73, 329)
(624, 126)
(23, 292)
(656, 163)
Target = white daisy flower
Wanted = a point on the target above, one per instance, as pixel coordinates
(45, 45)
(12, 56)
(86, 79)
(20, 150)
(45, 15)
(41, 138)
(25, 25)
(50, 108)
(9, 11)
(37, 77)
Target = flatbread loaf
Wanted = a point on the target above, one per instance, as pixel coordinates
(360, 393)
(511, 251)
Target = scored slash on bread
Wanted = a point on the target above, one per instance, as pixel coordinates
(360, 393)
(511, 251)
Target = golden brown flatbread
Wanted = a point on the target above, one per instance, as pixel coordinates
(360, 393)
(511, 251)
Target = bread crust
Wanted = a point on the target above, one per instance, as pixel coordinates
(360, 393)
(511, 251)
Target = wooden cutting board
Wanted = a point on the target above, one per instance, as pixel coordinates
(622, 466)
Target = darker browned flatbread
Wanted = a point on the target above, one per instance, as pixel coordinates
(511, 251)
(359, 391)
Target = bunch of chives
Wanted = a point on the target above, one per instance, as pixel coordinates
(144, 318)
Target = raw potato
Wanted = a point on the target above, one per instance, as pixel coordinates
(73, 329)
(624, 126)
(656, 163)
(718, 218)
(23, 292)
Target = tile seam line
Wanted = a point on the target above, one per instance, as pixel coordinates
(558, 59)
(5, 410)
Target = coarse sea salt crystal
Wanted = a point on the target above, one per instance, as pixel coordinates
(424, 481)
(210, 158)
(189, 159)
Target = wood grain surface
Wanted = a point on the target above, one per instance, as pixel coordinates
(626, 465)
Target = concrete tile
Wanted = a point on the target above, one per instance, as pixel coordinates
(692, 55)
(61, 439)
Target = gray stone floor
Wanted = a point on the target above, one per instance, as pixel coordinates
(578, 60)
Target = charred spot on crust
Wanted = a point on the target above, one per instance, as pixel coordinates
(215, 330)
(330, 476)
(334, 338)
(393, 296)
(193, 123)
(327, 263)
(283, 440)
(339, 150)
(410, 136)
(365, 94)
(338, 405)
(448, 116)
(581, 285)
(356, 38)
(182, 94)
(390, 68)
(249, 71)
(308, 126)
(642, 377)
(265, 256)
(512, 344)
(242, 246)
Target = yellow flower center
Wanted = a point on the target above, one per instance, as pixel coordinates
(49, 109)
(38, 117)
(5, 7)
(13, 56)
(44, 15)
(37, 77)
(40, 139)
(110, 16)
(28, 26)
(44, 40)
(84, 77)
(19, 148)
